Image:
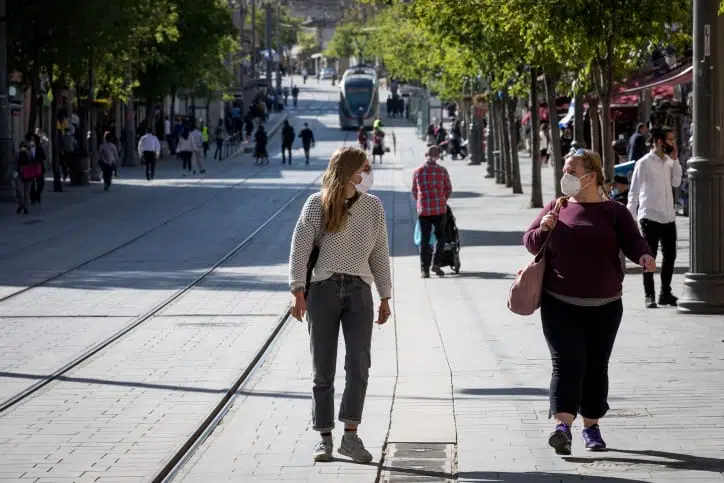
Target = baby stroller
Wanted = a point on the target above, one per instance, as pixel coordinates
(451, 254)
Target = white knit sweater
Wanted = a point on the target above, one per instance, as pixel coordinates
(361, 248)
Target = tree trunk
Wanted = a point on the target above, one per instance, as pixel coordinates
(499, 147)
(555, 137)
(507, 148)
(93, 139)
(609, 156)
(595, 126)
(53, 135)
(514, 159)
(536, 189)
(34, 94)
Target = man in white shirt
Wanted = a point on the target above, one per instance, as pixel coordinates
(198, 138)
(149, 149)
(651, 202)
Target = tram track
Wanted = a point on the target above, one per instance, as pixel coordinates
(155, 310)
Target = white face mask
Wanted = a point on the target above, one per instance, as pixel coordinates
(571, 184)
(366, 183)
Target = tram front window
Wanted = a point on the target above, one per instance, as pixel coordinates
(358, 97)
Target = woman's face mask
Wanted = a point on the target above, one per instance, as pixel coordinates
(367, 179)
(571, 184)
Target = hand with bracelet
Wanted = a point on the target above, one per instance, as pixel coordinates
(299, 307)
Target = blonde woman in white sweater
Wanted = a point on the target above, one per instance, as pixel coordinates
(348, 225)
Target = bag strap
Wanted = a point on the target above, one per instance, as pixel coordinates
(556, 210)
(352, 201)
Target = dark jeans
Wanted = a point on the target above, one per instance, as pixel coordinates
(580, 340)
(219, 149)
(185, 159)
(306, 148)
(346, 301)
(206, 148)
(664, 233)
(286, 148)
(36, 189)
(150, 158)
(107, 170)
(427, 225)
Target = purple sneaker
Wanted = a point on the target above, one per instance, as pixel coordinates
(592, 438)
(560, 439)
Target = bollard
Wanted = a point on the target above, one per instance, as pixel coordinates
(475, 143)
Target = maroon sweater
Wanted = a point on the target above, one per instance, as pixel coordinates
(582, 256)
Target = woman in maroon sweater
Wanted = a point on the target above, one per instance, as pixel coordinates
(581, 305)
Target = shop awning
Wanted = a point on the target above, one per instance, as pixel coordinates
(664, 84)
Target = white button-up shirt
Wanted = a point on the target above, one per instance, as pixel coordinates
(651, 193)
(149, 142)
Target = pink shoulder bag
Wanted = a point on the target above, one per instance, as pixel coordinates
(525, 293)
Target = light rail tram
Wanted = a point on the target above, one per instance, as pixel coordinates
(359, 99)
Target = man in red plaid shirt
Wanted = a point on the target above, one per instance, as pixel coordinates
(431, 187)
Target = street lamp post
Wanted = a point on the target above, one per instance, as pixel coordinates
(704, 283)
(5, 135)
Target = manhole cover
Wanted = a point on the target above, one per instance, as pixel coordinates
(424, 462)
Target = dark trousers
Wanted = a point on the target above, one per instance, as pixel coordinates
(219, 149)
(286, 148)
(206, 148)
(664, 233)
(185, 160)
(306, 148)
(150, 158)
(36, 189)
(427, 225)
(580, 340)
(107, 170)
(341, 301)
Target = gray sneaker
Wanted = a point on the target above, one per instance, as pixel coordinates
(353, 447)
(323, 450)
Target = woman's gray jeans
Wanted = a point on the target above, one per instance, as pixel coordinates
(344, 300)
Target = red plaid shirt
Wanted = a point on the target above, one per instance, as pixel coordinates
(431, 187)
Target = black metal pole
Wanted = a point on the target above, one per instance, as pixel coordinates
(6, 151)
(704, 283)
(268, 42)
(578, 141)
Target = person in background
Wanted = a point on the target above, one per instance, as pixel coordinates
(26, 171)
(378, 145)
(219, 138)
(198, 157)
(149, 149)
(307, 137)
(168, 136)
(205, 139)
(39, 157)
(619, 189)
(362, 139)
(637, 143)
(260, 146)
(349, 227)
(566, 141)
(108, 159)
(544, 155)
(185, 149)
(431, 188)
(288, 136)
(295, 93)
(581, 306)
(651, 201)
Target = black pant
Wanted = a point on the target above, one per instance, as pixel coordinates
(580, 340)
(107, 170)
(286, 148)
(206, 148)
(150, 158)
(185, 159)
(219, 149)
(427, 224)
(664, 233)
(36, 189)
(306, 148)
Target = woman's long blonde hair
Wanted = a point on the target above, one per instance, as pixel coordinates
(342, 165)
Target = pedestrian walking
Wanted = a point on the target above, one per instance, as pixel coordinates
(544, 136)
(205, 139)
(637, 146)
(378, 144)
(307, 137)
(362, 139)
(108, 159)
(651, 202)
(26, 172)
(39, 157)
(581, 305)
(288, 136)
(199, 151)
(431, 188)
(348, 227)
(149, 149)
(219, 138)
(185, 149)
(260, 146)
(295, 93)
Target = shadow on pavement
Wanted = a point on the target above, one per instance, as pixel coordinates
(538, 477)
(484, 275)
(505, 391)
(673, 461)
(465, 195)
(481, 238)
